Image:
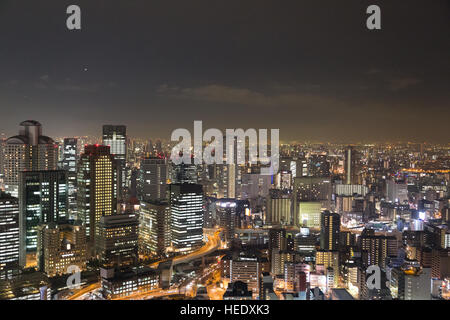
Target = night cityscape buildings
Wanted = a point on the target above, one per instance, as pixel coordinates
(348, 197)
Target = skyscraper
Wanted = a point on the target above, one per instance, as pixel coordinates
(116, 241)
(329, 230)
(154, 228)
(152, 179)
(97, 187)
(29, 150)
(115, 136)
(69, 164)
(43, 199)
(186, 213)
(228, 219)
(9, 233)
(350, 166)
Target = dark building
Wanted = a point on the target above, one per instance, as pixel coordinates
(329, 230)
(152, 179)
(117, 240)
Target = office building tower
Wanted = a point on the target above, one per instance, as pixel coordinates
(226, 211)
(61, 246)
(69, 163)
(350, 166)
(116, 241)
(186, 214)
(154, 228)
(9, 234)
(152, 179)
(97, 187)
(43, 198)
(329, 230)
(115, 136)
(27, 151)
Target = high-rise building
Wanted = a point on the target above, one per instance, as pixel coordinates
(116, 241)
(154, 228)
(228, 218)
(329, 230)
(350, 166)
(27, 151)
(69, 163)
(152, 179)
(43, 199)
(9, 233)
(376, 248)
(115, 136)
(61, 246)
(97, 187)
(186, 214)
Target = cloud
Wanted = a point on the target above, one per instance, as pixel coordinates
(245, 96)
(403, 83)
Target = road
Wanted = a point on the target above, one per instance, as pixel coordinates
(213, 243)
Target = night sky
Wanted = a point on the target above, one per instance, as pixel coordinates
(310, 68)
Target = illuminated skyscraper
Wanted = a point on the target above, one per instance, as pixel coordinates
(29, 150)
(186, 213)
(228, 219)
(43, 199)
(115, 136)
(9, 233)
(97, 187)
(154, 228)
(69, 164)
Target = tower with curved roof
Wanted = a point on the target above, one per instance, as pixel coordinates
(29, 150)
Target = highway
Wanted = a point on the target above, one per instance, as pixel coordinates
(211, 245)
